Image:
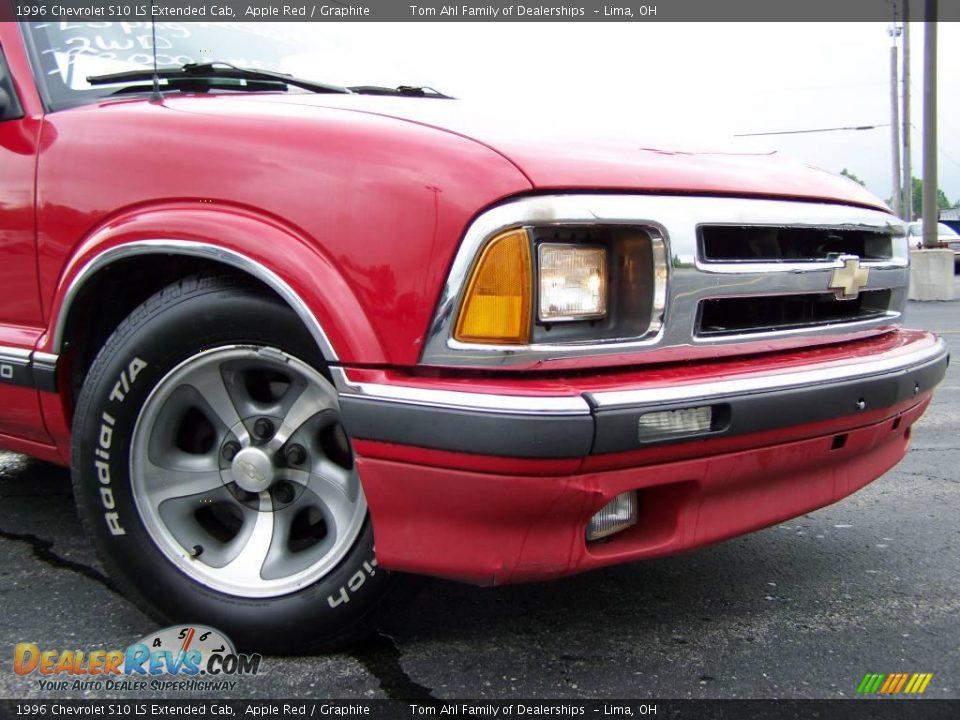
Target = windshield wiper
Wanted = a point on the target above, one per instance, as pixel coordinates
(214, 70)
(400, 91)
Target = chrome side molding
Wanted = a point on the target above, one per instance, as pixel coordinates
(26, 368)
(195, 249)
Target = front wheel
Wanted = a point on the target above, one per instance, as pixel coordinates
(211, 466)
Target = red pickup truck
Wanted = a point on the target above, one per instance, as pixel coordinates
(269, 322)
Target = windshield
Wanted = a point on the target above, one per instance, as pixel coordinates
(916, 229)
(66, 53)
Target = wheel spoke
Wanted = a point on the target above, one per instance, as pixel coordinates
(210, 384)
(313, 400)
(282, 561)
(332, 486)
(301, 477)
(246, 566)
(343, 479)
(162, 484)
(338, 507)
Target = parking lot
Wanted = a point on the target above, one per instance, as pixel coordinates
(799, 610)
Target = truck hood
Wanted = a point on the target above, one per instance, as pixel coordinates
(586, 158)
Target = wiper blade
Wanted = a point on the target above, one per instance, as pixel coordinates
(217, 69)
(400, 91)
(204, 85)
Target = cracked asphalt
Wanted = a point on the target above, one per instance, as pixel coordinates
(799, 610)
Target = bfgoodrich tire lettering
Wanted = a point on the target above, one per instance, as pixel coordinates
(213, 495)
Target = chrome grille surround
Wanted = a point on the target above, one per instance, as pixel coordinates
(683, 281)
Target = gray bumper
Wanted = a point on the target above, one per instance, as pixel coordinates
(607, 422)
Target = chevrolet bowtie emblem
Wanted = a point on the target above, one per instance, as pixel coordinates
(847, 281)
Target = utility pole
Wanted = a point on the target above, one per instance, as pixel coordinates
(897, 191)
(907, 184)
(930, 210)
(931, 270)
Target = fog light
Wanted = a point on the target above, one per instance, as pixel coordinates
(618, 514)
(670, 423)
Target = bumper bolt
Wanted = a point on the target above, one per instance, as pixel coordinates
(296, 455)
(263, 429)
(861, 404)
(283, 493)
(229, 451)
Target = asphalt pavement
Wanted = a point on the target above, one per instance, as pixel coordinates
(799, 610)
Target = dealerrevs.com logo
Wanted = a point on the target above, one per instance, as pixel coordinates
(183, 657)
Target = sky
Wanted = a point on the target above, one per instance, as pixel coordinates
(700, 83)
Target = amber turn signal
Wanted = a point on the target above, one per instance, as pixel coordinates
(496, 306)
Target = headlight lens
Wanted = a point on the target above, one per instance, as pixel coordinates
(573, 282)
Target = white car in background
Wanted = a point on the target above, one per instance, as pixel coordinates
(946, 236)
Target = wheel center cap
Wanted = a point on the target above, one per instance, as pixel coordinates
(252, 470)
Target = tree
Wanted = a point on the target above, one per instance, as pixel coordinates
(942, 202)
(847, 174)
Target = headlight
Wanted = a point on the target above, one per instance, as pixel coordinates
(573, 282)
(561, 285)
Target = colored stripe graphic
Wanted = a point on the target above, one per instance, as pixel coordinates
(894, 684)
(870, 683)
(901, 683)
(186, 642)
(891, 680)
(914, 683)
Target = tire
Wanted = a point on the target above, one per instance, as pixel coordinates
(210, 467)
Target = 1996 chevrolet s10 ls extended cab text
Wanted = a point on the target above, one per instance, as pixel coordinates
(268, 322)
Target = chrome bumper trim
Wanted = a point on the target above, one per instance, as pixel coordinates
(710, 391)
(583, 404)
(456, 400)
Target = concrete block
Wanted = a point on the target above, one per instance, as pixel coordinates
(931, 274)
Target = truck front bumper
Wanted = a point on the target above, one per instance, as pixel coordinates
(494, 480)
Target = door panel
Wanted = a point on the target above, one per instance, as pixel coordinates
(21, 317)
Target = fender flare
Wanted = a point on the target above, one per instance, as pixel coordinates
(278, 256)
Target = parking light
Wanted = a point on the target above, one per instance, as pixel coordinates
(672, 423)
(496, 306)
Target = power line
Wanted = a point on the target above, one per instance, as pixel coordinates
(939, 147)
(818, 130)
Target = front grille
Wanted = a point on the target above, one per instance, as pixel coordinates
(729, 276)
(736, 315)
(753, 243)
